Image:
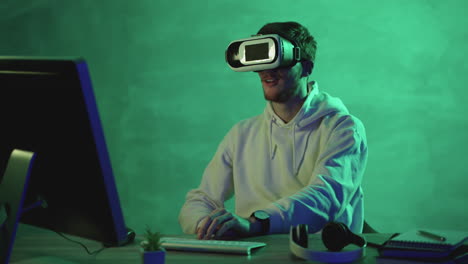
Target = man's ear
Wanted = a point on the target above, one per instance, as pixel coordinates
(307, 67)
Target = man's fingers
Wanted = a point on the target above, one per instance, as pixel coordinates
(200, 227)
(206, 222)
(225, 227)
(199, 233)
(216, 223)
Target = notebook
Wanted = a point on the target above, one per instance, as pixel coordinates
(423, 243)
(458, 260)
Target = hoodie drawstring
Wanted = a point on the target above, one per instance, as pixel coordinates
(304, 148)
(294, 150)
(272, 148)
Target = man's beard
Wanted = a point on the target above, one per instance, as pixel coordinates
(281, 97)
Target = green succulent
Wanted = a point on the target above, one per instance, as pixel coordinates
(152, 240)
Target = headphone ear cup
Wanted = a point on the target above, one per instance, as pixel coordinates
(303, 235)
(299, 235)
(336, 236)
(294, 234)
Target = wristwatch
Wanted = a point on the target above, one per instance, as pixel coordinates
(264, 219)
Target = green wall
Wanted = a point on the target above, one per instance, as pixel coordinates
(167, 97)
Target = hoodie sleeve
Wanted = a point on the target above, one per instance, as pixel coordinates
(215, 188)
(336, 179)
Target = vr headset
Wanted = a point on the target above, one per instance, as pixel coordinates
(262, 52)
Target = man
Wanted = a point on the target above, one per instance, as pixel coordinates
(300, 162)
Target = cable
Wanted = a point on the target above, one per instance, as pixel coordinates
(81, 244)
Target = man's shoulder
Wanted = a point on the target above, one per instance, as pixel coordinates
(335, 111)
(342, 123)
(340, 119)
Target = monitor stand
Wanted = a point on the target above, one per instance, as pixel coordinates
(13, 188)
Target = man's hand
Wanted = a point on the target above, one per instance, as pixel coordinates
(221, 223)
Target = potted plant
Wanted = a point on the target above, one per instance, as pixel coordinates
(152, 251)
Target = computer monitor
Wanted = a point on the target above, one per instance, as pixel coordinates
(48, 107)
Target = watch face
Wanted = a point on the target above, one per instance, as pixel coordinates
(261, 215)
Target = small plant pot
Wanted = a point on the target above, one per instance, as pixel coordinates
(154, 257)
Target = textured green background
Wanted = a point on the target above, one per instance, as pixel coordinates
(167, 97)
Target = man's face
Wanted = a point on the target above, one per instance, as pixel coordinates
(279, 85)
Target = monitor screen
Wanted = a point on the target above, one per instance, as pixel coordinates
(47, 106)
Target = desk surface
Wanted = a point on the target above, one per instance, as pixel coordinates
(34, 245)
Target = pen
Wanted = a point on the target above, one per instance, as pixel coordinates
(431, 235)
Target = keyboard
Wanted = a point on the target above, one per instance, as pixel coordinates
(217, 246)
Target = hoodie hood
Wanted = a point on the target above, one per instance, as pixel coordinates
(317, 105)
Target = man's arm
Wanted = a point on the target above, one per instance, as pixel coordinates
(216, 187)
(335, 181)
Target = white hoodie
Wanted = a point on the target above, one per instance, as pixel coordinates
(306, 171)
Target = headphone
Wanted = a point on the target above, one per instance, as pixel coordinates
(335, 236)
